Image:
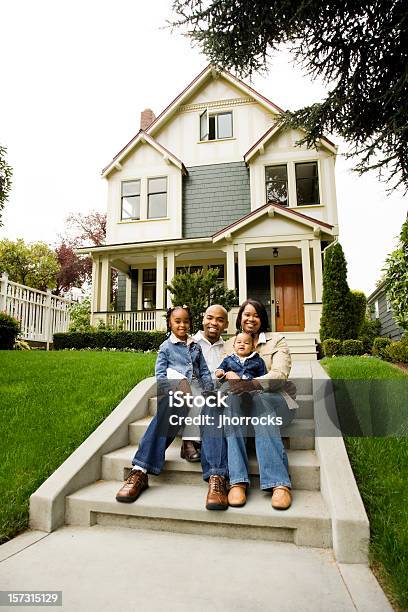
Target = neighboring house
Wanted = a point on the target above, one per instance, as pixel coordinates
(380, 308)
(214, 181)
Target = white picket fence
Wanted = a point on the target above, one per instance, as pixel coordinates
(40, 313)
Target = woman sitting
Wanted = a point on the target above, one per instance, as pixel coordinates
(276, 400)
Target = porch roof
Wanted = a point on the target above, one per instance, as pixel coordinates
(270, 209)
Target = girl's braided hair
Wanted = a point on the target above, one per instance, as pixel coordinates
(171, 310)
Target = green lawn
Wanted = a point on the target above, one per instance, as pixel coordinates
(49, 404)
(380, 465)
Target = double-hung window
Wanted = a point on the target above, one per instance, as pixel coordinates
(157, 198)
(307, 183)
(215, 126)
(130, 200)
(276, 178)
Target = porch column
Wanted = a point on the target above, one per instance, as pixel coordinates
(128, 297)
(307, 277)
(95, 286)
(242, 284)
(159, 280)
(318, 273)
(105, 284)
(230, 266)
(171, 269)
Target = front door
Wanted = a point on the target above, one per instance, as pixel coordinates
(289, 306)
(259, 286)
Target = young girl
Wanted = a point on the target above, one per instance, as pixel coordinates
(180, 359)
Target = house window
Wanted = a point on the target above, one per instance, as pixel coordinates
(215, 126)
(376, 309)
(130, 200)
(157, 198)
(149, 289)
(220, 268)
(188, 269)
(307, 183)
(388, 304)
(276, 178)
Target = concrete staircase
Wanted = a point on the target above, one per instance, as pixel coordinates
(175, 501)
(302, 345)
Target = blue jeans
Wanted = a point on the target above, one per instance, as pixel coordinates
(270, 452)
(160, 434)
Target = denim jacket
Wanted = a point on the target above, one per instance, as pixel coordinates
(186, 359)
(253, 366)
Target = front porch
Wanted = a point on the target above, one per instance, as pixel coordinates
(285, 276)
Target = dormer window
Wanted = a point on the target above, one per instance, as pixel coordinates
(157, 198)
(130, 200)
(215, 126)
(307, 184)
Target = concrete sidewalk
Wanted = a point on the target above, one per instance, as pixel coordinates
(118, 569)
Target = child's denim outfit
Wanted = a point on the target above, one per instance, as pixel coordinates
(187, 359)
(247, 368)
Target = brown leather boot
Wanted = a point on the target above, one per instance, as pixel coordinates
(281, 498)
(217, 498)
(237, 494)
(135, 484)
(189, 452)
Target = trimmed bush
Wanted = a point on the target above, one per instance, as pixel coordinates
(353, 347)
(9, 330)
(336, 301)
(358, 306)
(141, 341)
(379, 346)
(370, 329)
(397, 351)
(332, 347)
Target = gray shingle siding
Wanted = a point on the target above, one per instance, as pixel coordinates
(213, 197)
(389, 327)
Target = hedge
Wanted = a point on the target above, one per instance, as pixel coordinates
(9, 330)
(397, 351)
(379, 346)
(139, 340)
(332, 347)
(353, 347)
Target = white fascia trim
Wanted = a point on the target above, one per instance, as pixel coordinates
(271, 212)
(139, 245)
(143, 138)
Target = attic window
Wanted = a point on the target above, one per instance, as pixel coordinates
(215, 126)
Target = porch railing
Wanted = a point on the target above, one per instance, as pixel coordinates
(40, 313)
(136, 320)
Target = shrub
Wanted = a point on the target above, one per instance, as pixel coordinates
(353, 347)
(335, 320)
(332, 347)
(98, 339)
(397, 351)
(80, 316)
(198, 290)
(358, 306)
(370, 329)
(9, 330)
(379, 346)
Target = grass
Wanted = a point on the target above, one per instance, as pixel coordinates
(380, 465)
(49, 404)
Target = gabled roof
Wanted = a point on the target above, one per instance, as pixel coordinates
(270, 209)
(143, 137)
(270, 133)
(195, 84)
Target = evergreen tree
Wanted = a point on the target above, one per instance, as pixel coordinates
(198, 290)
(335, 320)
(397, 279)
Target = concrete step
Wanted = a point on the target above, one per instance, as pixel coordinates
(181, 508)
(304, 468)
(293, 342)
(305, 410)
(300, 433)
(304, 357)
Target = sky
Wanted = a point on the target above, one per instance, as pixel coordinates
(76, 75)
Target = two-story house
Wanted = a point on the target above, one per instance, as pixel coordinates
(214, 181)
